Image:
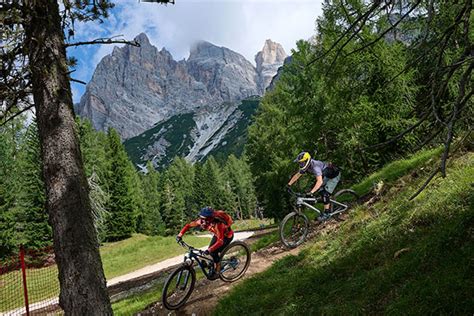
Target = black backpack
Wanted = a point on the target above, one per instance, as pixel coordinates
(331, 171)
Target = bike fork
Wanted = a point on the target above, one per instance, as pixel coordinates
(186, 278)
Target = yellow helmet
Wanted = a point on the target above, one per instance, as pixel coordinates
(303, 159)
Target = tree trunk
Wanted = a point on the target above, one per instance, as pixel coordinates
(81, 277)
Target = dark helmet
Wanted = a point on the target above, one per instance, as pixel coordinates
(206, 212)
(303, 160)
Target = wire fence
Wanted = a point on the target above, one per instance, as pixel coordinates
(29, 283)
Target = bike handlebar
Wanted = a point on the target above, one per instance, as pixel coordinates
(183, 244)
(297, 194)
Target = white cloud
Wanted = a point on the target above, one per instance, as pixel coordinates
(242, 26)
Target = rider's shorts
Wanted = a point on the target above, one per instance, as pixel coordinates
(330, 184)
(215, 254)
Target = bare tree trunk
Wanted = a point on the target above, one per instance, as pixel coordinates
(81, 277)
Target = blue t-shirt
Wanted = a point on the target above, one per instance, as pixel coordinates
(315, 167)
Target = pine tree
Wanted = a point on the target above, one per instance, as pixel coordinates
(172, 208)
(208, 185)
(31, 217)
(151, 222)
(120, 223)
(93, 148)
(239, 180)
(8, 240)
(181, 175)
(138, 195)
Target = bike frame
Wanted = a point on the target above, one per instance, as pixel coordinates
(193, 256)
(303, 201)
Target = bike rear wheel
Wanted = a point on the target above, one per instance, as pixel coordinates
(294, 229)
(178, 287)
(235, 260)
(346, 196)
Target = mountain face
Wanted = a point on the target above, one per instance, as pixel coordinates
(228, 76)
(268, 61)
(143, 92)
(194, 135)
(135, 87)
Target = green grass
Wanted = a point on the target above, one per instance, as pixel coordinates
(44, 283)
(396, 169)
(139, 251)
(139, 301)
(252, 223)
(394, 257)
(264, 241)
(118, 258)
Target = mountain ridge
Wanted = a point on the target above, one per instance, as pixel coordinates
(134, 89)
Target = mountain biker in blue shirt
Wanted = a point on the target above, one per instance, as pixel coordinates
(327, 177)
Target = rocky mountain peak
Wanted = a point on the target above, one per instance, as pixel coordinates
(268, 60)
(202, 49)
(142, 39)
(135, 87)
(227, 75)
(271, 53)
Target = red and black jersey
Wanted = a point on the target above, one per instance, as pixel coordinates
(218, 228)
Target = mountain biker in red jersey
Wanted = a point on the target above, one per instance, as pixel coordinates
(327, 177)
(219, 224)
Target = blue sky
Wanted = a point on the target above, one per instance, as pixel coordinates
(242, 26)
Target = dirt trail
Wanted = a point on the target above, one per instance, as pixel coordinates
(207, 293)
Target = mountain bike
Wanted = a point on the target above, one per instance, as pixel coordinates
(235, 260)
(295, 226)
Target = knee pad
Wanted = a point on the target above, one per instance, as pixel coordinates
(325, 197)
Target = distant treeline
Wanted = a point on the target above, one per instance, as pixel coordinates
(124, 201)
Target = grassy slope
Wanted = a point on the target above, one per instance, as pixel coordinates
(393, 257)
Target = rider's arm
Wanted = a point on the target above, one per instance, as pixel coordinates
(188, 226)
(294, 178)
(221, 227)
(317, 185)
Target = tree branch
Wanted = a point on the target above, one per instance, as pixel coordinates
(103, 41)
(17, 114)
(360, 18)
(386, 31)
(78, 81)
(424, 184)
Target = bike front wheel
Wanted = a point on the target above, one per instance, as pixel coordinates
(294, 229)
(235, 260)
(178, 287)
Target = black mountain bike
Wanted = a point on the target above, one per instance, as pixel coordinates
(235, 260)
(295, 226)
